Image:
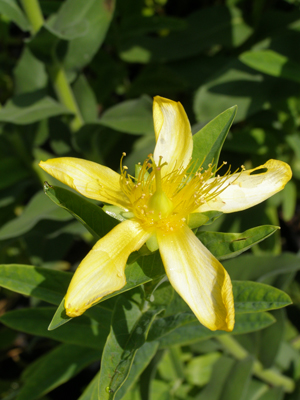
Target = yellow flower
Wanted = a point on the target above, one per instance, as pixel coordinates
(159, 203)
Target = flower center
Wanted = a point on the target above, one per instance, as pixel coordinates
(165, 201)
(159, 204)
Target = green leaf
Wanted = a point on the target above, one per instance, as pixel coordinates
(129, 330)
(229, 245)
(13, 12)
(130, 116)
(236, 387)
(252, 297)
(97, 16)
(12, 171)
(39, 208)
(199, 369)
(55, 368)
(209, 140)
(45, 284)
(219, 377)
(140, 272)
(90, 215)
(194, 331)
(272, 63)
(270, 340)
(205, 28)
(31, 107)
(249, 297)
(30, 74)
(83, 331)
(142, 358)
(235, 83)
(86, 99)
(262, 268)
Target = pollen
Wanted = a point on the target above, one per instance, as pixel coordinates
(164, 201)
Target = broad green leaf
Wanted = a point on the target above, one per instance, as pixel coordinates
(30, 74)
(45, 284)
(199, 369)
(229, 245)
(142, 358)
(209, 140)
(289, 201)
(270, 340)
(12, 171)
(272, 63)
(220, 375)
(130, 116)
(38, 208)
(235, 388)
(86, 99)
(97, 15)
(140, 272)
(205, 28)
(89, 214)
(236, 84)
(263, 268)
(31, 107)
(256, 389)
(13, 12)
(194, 331)
(275, 393)
(129, 330)
(251, 297)
(83, 331)
(55, 368)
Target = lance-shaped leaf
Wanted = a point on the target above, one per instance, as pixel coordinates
(55, 368)
(38, 208)
(209, 140)
(194, 331)
(45, 284)
(11, 10)
(249, 297)
(83, 331)
(90, 215)
(272, 63)
(31, 107)
(229, 245)
(129, 331)
(140, 272)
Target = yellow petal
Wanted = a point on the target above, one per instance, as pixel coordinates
(90, 179)
(245, 190)
(101, 272)
(199, 278)
(173, 134)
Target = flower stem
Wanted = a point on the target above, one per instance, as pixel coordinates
(57, 73)
(270, 376)
(34, 14)
(65, 94)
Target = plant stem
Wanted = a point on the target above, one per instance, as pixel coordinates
(65, 94)
(270, 376)
(34, 14)
(57, 73)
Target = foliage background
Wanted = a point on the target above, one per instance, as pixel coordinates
(82, 86)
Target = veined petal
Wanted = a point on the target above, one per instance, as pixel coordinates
(173, 134)
(198, 277)
(244, 190)
(101, 272)
(89, 178)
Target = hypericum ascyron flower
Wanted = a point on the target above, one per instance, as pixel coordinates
(159, 202)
